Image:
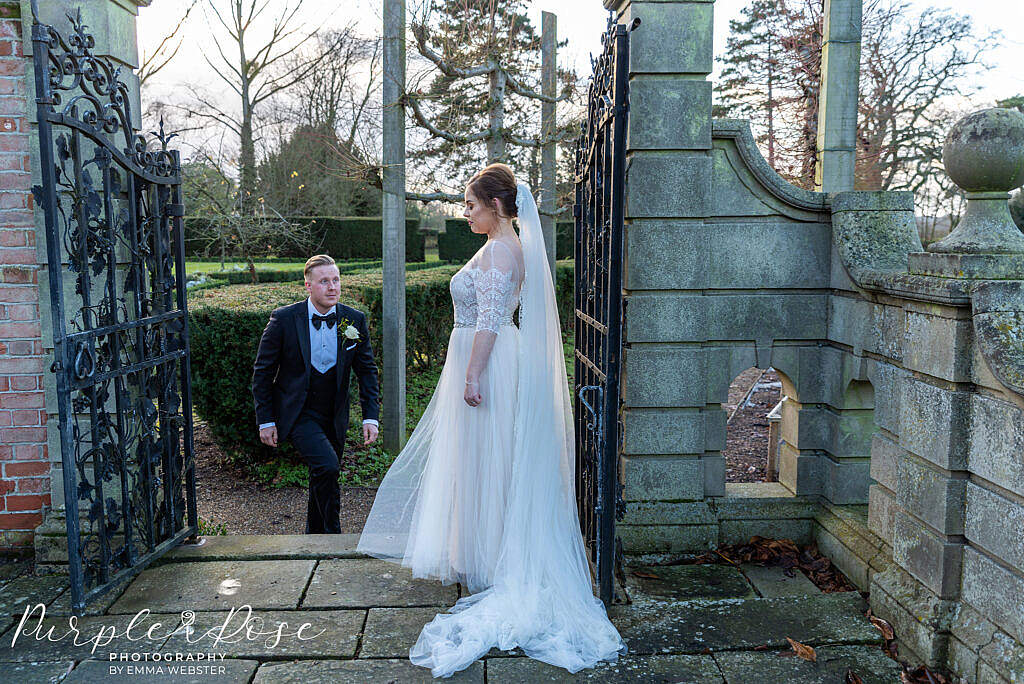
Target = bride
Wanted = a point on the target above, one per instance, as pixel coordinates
(483, 492)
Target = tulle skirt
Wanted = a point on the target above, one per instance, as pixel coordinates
(440, 508)
(442, 511)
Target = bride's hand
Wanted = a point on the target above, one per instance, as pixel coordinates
(472, 395)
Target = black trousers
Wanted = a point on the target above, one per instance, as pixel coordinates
(314, 436)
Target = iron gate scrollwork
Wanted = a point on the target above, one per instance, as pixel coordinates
(599, 208)
(113, 219)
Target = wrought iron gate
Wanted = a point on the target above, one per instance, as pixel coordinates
(113, 213)
(599, 205)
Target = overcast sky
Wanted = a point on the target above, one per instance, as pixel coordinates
(582, 22)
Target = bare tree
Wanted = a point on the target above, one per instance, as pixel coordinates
(250, 72)
(159, 58)
(335, 106)
(336, 94)
(911, 63)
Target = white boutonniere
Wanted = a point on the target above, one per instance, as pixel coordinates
(348, 331)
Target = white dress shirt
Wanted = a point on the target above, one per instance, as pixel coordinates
(323, 348)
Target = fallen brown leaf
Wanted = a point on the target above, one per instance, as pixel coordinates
(648, 575)
(852, 678)
(783, 553)
(922, 674)
(803, 650)
(884, 627)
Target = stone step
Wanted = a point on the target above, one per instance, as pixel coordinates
(266, 547)
(665, 626)
(711, 581)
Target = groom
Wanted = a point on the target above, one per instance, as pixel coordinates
(300, 384)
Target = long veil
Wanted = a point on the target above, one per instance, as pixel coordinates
(541, 599)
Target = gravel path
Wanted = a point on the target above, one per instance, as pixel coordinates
(227, 497)
(746, 440)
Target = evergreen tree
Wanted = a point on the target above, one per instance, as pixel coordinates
(1015, 102)
(754, 80)
(302, 177)
(480, 48)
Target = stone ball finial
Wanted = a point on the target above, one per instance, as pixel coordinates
(984, 155)
(984, 151)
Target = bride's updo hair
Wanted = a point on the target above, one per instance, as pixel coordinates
(495, 181)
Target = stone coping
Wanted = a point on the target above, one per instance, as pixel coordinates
(967, 266)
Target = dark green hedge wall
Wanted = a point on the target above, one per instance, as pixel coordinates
(226, 324)
(270, 275)
(458, 243)
(343, 238)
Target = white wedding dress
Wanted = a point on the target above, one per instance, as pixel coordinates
(485, 495)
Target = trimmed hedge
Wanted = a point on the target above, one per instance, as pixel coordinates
(344, 238)
(262, 275)
(226, 324)
(362, 238)
(243, 277)
(458, 243)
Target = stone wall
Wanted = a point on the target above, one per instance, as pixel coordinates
(902, 451)
(948, 467)
(727, 266)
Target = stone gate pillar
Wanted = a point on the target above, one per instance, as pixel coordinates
(673, 431)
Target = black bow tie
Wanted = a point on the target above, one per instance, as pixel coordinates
(330, 319)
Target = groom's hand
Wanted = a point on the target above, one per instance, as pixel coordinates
(369, 433)
(268, 436)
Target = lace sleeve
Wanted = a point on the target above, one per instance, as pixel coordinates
(494, 282)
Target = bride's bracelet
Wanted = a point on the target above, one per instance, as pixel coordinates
(472, 382)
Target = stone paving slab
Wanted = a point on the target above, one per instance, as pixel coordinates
(217, 585)
(663, 627)
(9, 569)
(330, 634)
(686, 582)
(97, 606)
(55, 640)
(227, 670)
(315, 671)
(267, 547)
(867, 662)
(771, 581)
(698, 669)
(27, 591)
(391, 632)
(35, 673)
(369, 583)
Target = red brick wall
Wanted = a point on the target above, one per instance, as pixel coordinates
(24, 468)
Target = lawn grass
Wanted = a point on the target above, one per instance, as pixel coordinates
(214, 266)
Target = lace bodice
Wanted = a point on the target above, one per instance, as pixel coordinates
(485, 292)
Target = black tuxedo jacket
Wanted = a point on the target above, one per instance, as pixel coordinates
(280, 376)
